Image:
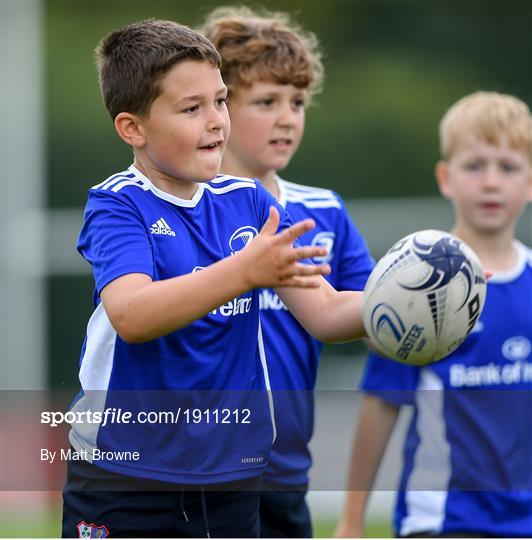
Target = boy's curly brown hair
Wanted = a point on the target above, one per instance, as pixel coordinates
(265, 46)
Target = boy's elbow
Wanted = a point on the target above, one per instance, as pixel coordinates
(127, 329)
(133, 338)
(122, 300)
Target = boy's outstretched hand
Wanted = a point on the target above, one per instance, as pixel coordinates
(271, 260)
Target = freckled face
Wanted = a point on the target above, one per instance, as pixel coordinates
(268, 121)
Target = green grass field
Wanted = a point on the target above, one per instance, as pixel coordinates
(374, 529)
(18, 525)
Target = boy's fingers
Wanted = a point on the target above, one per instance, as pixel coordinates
(314, 269)
(272, 223)
(301, 282)
(307, 252)
(295, 231)
(488, 274)
(296, 269)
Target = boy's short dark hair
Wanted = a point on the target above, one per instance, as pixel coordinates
(132, 60)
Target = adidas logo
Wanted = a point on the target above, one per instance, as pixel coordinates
(161, 227)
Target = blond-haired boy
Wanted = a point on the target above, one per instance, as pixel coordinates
(272, 69)
(467, 454)
(178, 254)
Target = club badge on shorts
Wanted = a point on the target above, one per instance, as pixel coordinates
(89, 530)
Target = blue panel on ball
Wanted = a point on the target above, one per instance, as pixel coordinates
(446, 259)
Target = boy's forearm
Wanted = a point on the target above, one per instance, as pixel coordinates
(156, 308)
(328, 315)
(375, 424)
(351, 524)
(341, 318)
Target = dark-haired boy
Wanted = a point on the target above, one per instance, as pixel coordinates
(177, 258)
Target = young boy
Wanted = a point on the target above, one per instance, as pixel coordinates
(467, 468)
(175, 421)
(272, 69)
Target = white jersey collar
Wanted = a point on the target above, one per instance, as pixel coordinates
(523, 258)
(189, 203)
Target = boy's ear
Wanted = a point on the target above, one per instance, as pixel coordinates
(442, 176)
(129, 128)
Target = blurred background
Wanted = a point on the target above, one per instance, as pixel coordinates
(393, 67)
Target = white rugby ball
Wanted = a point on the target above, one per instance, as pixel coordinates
(423, 297)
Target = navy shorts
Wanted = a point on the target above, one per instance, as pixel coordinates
(102, 504)
(284, 512)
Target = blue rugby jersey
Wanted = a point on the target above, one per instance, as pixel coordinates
(468, 451)
(292, 353)
(214, 365)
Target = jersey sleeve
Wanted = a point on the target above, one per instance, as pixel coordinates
(355, 262)
(113, 239)
(392, 381)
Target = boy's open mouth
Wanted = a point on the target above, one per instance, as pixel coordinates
(211, 146)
